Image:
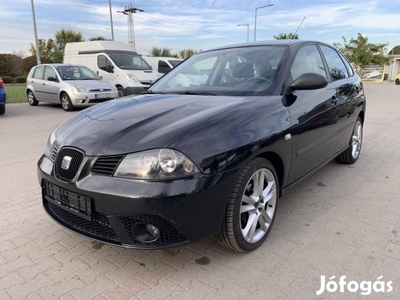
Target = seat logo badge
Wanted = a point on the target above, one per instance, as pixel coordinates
(66, 162)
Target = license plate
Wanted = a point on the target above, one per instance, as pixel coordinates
(75, 203)
(102, 96)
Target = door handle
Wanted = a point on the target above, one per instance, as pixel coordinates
(43, 84)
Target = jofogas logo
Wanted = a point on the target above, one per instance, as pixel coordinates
(365, 288)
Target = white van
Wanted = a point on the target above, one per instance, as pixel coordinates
(115, 62)
(161, 65)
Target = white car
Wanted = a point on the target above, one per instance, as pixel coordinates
(71, 85)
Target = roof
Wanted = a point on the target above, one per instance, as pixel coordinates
(394, 51)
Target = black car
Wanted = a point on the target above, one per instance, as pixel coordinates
(205, 155)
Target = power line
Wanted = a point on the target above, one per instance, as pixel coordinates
(129, 11)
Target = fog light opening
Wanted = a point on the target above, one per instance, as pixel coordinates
(145, 233)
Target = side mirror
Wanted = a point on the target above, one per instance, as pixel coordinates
(110, 68)
(51, 78)
(308, 81)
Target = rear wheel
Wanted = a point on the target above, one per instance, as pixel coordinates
(32, 99)
(351, 154)
(2, 109)
(397, 81)
(66, 102)
(251, 207)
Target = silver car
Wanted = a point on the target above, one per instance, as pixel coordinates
(71, 85)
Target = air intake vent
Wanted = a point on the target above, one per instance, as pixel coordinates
(106, 165)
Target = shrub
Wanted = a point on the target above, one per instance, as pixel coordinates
(7, 79)
(20, 79)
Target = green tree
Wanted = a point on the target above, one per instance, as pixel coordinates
(185, 53)
(98, 38)
(30, 61)
(362, 53)
(165, 52)
(286, 36)
(63, 37)
(10, 65)
(46, 48)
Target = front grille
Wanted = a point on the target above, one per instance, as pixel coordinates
(106, 165)
(100, 90)
(168, 234)
(99, 227)
(67, 163)
(99, 100)
(54, 150)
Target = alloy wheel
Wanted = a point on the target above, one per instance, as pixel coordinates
(258, 205)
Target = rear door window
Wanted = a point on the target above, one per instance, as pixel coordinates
(336, 67)
(39, 71)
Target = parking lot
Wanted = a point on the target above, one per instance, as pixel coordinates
(342, 221)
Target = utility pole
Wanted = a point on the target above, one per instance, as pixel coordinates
(129, 11)
(35, 31)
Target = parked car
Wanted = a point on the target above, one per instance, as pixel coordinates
(71, 85)
(2, 97)
(397, 79)
(181, 163)
(162, 65)
(116, 62)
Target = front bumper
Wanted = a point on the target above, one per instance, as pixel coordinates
(111, 209)
(136, 90)
(91, 98)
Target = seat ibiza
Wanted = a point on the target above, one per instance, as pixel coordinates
(204, 156)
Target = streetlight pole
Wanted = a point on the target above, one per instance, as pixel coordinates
(35, 31)
(111, 21)
(255, 19)
(247, 25)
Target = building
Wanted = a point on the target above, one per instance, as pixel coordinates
(393, 67)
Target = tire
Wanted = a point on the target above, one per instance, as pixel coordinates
(32, 99)
(121, 91)
(250, 214)
(2, 109)
(351, 154)
(66, 102)
(397, 81)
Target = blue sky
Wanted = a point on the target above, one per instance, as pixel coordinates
(199, 25)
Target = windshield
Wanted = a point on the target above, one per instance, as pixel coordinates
(244, 71)
(130, 61)
(76, 73)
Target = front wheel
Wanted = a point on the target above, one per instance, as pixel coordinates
(2, 109)
(397, 81)
(251, 207)
(121, 91)
(66, 102)
(351, 154)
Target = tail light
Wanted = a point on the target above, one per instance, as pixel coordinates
(1, 82)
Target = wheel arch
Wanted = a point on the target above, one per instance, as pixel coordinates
(362, 116)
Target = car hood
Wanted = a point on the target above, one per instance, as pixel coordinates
(143, 122)
(90, 84)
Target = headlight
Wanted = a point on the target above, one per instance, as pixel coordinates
(156, 164)
(132, 77)
(79, 88)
